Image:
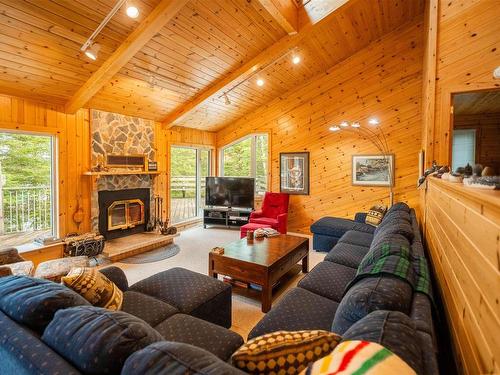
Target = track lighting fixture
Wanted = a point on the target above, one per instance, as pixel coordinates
(92, 51)
(132, 11)
(226, 99)
(373, 121)
(344, 124)
(90, 47)
(334, 128)
(355, 125)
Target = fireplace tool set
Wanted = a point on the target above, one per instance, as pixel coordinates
(157, 222)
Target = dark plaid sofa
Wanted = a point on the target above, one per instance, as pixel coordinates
(365, 309)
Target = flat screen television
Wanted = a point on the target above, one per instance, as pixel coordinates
(230, 192)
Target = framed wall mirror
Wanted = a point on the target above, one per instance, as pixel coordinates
(475, 140)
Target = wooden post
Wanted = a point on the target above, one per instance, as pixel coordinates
(2, 224)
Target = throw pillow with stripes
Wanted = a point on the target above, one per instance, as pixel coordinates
(359, 358)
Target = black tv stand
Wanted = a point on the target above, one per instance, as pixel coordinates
(226, 216)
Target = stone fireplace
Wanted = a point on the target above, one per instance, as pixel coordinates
(123, 212)
(121, 204)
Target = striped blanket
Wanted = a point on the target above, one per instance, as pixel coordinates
(396, 260)
(359, 358)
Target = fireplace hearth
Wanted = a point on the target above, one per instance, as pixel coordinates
(123, 212)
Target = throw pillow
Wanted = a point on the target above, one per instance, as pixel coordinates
(375, 215)
(360, 357)
(280, 351)
(94, 287)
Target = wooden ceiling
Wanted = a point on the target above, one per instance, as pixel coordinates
(180, 73)
(473, 103)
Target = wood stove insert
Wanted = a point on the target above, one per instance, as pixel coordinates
(123, 212)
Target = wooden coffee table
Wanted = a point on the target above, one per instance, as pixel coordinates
(261, 261)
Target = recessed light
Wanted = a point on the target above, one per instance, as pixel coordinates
(296, 59)
(355, 125)
(92, 51)
(344, 124)
(373, 121)
(260, 82)
(132, 11)
(334, 128)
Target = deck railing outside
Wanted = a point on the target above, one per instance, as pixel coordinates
(25, 209)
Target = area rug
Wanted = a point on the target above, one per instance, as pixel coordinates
(155, 255)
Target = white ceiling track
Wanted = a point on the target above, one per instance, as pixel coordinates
(102, 25)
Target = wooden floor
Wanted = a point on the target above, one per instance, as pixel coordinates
(182, 209)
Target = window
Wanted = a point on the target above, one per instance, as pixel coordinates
(247, 157)
(27, 203)
(189, 167)
(464, 148)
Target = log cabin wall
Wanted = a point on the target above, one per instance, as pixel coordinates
(382, 80)
(73, 145)
(460, 225)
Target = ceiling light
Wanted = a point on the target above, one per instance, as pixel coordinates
(296, 59)
(373, 121)
(260, 82)
(92, 51)
(355, 125)
(344, 124)
(226, 99)
(132, 11)
(334, 128)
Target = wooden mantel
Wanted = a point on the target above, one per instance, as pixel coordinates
(120, 173)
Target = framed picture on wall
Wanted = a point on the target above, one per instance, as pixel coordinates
(294, 173)
(373, 170)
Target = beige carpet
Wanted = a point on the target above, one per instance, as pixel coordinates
(195, 243)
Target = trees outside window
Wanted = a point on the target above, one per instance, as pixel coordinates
(26, 188)
(247, 157)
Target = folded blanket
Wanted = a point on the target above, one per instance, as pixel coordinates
(395, 259)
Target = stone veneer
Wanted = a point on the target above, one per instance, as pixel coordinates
(113, 133)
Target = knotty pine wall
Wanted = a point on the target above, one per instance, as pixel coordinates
(461, 231)
(463, 50)
(383, 80)
(73, 145)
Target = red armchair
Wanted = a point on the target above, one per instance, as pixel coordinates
(274, 211)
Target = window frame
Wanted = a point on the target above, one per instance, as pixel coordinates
(253, 156)
(198, 201)
(54, 173)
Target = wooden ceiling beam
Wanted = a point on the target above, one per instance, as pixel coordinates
(284, 12)
(146, 30)
(259, 62)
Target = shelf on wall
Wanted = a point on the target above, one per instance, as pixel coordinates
(118, 173)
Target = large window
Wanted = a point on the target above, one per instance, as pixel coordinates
(27, 204)
(247, 157)
(189, 167)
